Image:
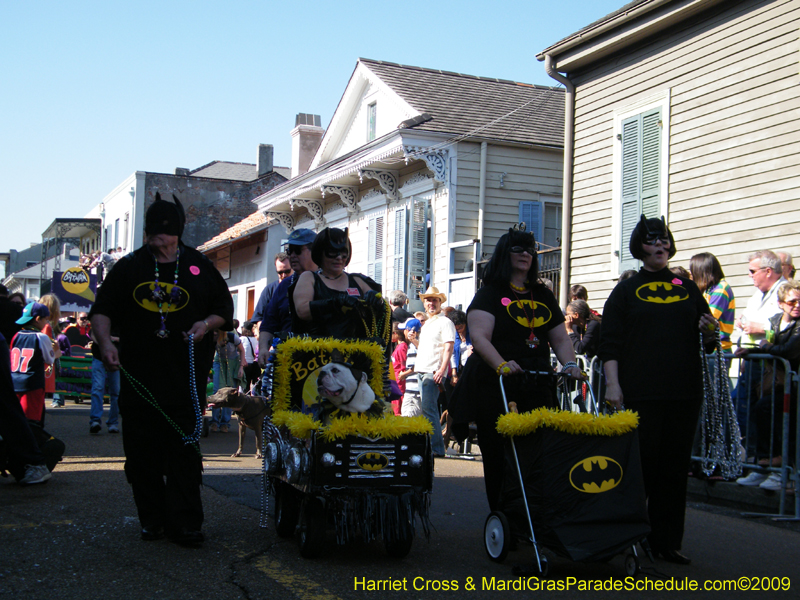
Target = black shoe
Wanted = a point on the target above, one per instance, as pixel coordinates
(190, 538)
(95, 427)
(673, 556)
(151, 534)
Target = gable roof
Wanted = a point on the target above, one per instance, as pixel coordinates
(484, 107)
(233, 171)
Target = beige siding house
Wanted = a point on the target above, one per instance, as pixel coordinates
(688, 109)
(401, 166)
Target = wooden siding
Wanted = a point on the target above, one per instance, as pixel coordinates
(734, 165)
(529, 173)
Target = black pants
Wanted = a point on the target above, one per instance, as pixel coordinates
(164, 473)
(666, 431)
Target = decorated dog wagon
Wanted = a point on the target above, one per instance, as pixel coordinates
(334, 454)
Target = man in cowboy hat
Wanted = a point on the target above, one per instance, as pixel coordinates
(433, 360)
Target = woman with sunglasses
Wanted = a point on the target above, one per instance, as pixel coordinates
(331, 302)
(513, 322)
(650, 345)
(783, 340)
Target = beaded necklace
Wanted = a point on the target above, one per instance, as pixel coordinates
(191, 438)
(532, 340)
(159, 295)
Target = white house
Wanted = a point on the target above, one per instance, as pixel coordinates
(427, 169)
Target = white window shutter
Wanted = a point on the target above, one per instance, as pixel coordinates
(399, 280)
(375, 249)
(530, 213)
(418, 248)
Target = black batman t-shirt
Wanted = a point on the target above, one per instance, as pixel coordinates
(162, 366)
(650, 325)
(514, 313)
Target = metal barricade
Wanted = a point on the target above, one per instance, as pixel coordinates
(762, 388)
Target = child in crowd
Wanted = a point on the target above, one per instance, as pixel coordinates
(31, 350)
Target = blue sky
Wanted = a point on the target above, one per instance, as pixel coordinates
(93, 91)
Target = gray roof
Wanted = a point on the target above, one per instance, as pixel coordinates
(478, 106)
(220, 169)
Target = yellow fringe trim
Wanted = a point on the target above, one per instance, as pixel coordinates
(389, 427)
(283, 374)
(513, 424)
(298, 424)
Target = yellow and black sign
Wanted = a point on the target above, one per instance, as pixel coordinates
(523, 310)
(143, 295)
(662, 292)
(372, 461)
(595, 475)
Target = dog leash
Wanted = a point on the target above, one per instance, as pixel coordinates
(141, 389)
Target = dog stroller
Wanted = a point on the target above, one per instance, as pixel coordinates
(368, 476)
(573, 485)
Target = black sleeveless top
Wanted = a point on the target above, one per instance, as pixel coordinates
(346, 324)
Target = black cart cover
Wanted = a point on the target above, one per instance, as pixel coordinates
(585, 492)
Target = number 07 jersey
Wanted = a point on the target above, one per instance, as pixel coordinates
(30, 350)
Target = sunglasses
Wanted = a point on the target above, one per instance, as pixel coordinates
(293, 249)
(337, 254)
(83, 318)
(793, 302)
(520, 249)
(286, 272)
(651, 240)
(754, 271)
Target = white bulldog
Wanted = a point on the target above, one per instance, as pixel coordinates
(346, 388)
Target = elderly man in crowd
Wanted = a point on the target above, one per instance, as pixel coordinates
(749, 328)
(397, 299)
(436, 342)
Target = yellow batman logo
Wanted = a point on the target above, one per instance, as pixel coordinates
(372, 461)
(661, 292)
(595, 475)
(523, 310)
(143, 295)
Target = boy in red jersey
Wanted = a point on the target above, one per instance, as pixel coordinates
(31, 350)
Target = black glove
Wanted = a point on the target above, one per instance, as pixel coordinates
(374, 300)
(323, 309)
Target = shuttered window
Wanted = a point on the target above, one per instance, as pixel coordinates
(417, 247)
(641, 177)
(375, 249)
(399, 279)
(530, 213)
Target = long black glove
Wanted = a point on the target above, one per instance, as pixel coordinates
(375, 301)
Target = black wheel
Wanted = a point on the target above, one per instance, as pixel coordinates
(545, 565)
(497, 536)
(311, 532)
(631, 564)
(287, 509)
(400, 546)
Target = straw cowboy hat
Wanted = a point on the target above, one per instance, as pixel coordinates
(433, 292)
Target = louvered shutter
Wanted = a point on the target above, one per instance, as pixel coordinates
(417, 248)
(375, 249)
(399, 280)
(530, 213)
(641, 176)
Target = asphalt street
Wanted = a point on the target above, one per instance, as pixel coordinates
(77, 537)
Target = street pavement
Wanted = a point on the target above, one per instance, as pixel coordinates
(77, 537)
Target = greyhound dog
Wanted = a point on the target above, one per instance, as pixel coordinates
(250, 410)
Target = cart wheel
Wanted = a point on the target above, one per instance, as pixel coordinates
(287, 509)
(401, 545)
(311, 532)
(545, 565)
(497, 536)
(632, 566)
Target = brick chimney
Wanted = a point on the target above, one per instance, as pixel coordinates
(306, 138)
(264, 159)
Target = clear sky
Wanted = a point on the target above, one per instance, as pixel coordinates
(92, 91)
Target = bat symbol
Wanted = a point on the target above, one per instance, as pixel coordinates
(595, 474)
(661, 292)
(372, 461)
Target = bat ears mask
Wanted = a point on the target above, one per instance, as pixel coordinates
(338, 358)
(333, 239)
(165, 217)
